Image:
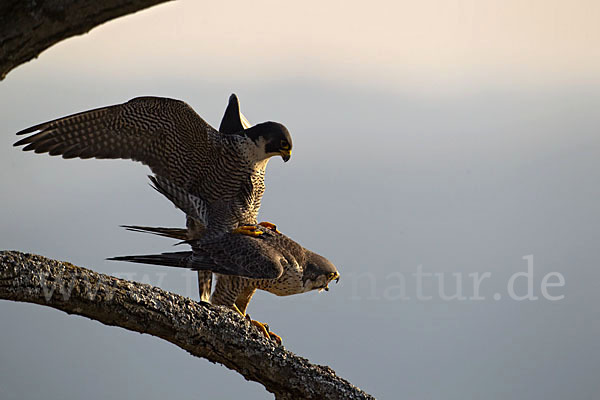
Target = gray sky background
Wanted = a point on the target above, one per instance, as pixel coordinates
(459, 137)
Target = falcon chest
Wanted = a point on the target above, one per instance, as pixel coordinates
(258, 184)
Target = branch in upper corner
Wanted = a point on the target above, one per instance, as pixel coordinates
(27, 27)
(211, 332)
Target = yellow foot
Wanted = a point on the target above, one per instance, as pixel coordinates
(248, 230)
(275, 337)
(264, 329)
(269, 225)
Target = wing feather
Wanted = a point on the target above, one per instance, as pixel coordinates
(236, 255)
(152, 130)
(239, 255)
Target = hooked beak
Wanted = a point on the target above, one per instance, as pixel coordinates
(332, 276)
(286, 154)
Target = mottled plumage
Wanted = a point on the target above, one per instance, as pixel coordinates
(225, 170)
(270, 261)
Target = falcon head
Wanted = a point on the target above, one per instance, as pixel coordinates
(318, 273)
(271, 139)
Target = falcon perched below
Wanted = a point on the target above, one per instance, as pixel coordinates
(226, 169)
(269, 260)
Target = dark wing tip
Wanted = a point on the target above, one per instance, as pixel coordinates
(176, 259)
(134, 259)
(231, 123)
(132, 228)
(172, 233)
(32, 129)
(119, 258)
(21, 143)
(153, 181)
(24, 141)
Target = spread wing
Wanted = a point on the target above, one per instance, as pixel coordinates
(192, 206)
(233, 120)
(165, 134)
(219, 217)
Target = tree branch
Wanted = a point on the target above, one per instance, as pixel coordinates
(207, 331)
(28, 27)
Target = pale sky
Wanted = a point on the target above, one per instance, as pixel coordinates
(456, 136)
(427, 44)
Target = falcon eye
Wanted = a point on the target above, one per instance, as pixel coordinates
(284, 145)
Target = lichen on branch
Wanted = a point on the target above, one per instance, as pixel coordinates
(211, 332)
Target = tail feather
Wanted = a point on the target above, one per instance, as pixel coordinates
(173, 233)
(180, 259)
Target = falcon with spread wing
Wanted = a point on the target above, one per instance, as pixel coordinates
(225, 168)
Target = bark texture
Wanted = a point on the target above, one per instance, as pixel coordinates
(207, 331)
(28, 27)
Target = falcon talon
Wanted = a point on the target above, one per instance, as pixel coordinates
(261, 327)
(247, 227)
(248, 230)
(276, 338)
(269, 225)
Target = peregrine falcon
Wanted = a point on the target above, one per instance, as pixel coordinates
(226, 169)
(268, 260)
